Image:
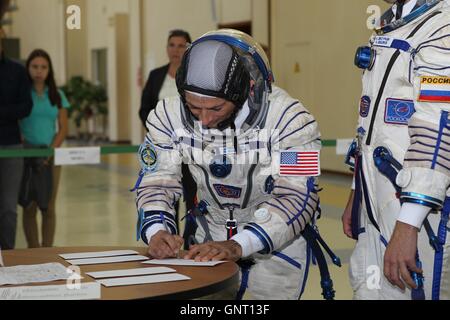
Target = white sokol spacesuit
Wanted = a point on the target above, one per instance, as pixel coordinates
(402, 167)
(237, 171)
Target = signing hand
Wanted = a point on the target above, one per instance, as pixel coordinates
(215, 251)
(400, 256)
(164, 245)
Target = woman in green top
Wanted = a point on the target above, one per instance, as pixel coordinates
(47, 126)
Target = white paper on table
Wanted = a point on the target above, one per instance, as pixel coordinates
(342, 146)
(82, 262)
(182, 262)
(100, 254)
(34, 273)
(130, 272)
(86, 291)
(143, 280)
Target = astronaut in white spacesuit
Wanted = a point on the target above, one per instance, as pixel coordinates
(399, 207)
(242, 142)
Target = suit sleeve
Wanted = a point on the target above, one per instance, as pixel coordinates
(294, 199)
(426, 174)
(160, 187)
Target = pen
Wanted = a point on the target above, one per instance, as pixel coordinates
(168, 230)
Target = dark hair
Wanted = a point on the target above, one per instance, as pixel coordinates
(180, 33)
(4, 5)
(53, 93)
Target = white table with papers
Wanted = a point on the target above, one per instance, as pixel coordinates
(124, 279)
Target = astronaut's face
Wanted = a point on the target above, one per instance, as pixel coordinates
(208, 110)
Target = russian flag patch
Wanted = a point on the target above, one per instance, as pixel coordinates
(434, 89)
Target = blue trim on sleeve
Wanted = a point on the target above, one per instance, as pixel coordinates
(295, 131)
(292, 119)
(160, 130)
(167, 115)
(262, 235)
(442, 125)
(413, 197)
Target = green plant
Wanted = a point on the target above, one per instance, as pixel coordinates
(86, 99)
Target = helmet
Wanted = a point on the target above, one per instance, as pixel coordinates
(225, 62)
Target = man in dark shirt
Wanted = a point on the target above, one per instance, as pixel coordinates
(15, 104)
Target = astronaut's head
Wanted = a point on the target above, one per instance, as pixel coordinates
(219, 74)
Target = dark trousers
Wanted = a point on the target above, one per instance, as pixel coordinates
(10, 177)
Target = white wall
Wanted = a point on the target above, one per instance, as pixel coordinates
(40, 24)
(101, 35)
(260, 21)
(313, 49)
(135, 65)
(235, 11)
(161, 16)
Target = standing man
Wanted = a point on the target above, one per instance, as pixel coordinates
(399, 208)
(15, 104)
(253, 153)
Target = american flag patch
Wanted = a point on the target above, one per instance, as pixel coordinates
(300, 163)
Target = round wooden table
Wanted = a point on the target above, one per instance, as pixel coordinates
(204, 280)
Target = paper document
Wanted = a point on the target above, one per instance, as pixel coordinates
(182, 262)
(129, 272)
(33, 274)
(143, 280)
(343, 145)
(86, 291)
(75, 156)
(82, 262)
(100, 254)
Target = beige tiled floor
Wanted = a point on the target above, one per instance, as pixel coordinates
(95, 207)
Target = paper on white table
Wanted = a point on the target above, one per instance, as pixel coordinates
(86, 291)
(100, 254)
(129, 272)
(33, 273)
(182, 262)
(143, 280)
(81, 262)
(342, 146)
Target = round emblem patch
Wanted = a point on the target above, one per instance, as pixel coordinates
(148, 157)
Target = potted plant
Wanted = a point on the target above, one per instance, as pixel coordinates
(87, 100)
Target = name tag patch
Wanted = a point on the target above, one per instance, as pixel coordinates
(398, 111)
(364, 106)
(228, 191)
